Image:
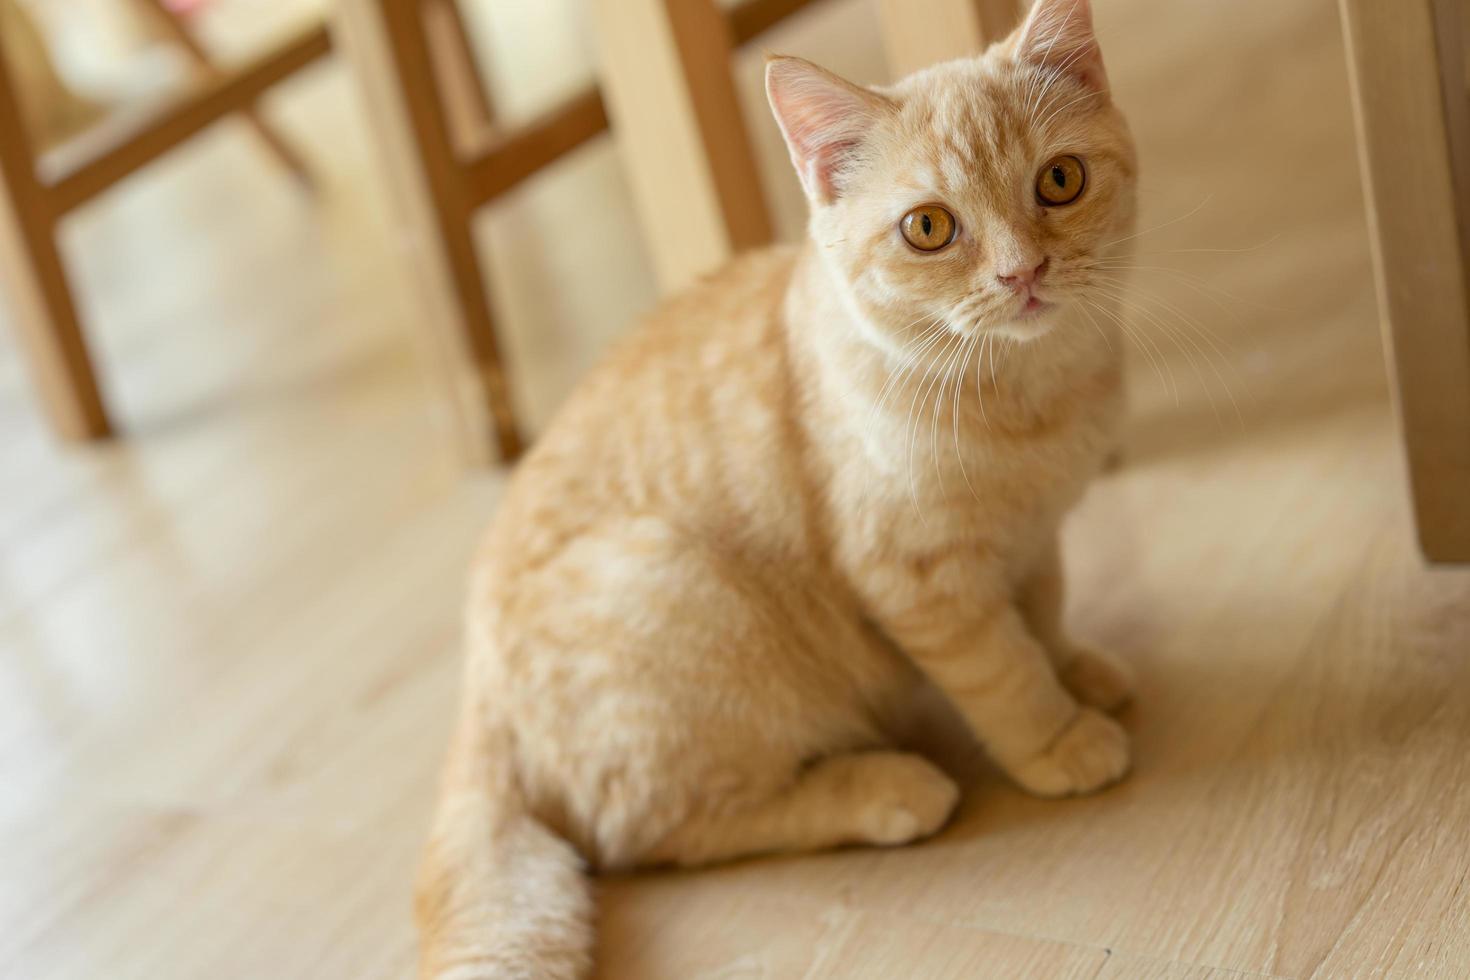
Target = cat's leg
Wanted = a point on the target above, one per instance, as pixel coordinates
(956, 621)
(672, 706)
(877, 797)
(1094, 677)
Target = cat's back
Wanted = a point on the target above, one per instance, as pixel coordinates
(687, 419)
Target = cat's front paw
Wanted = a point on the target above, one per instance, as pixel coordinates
(1097, 678)
(1090, 753)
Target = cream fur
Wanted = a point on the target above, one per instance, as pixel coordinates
(774, 517)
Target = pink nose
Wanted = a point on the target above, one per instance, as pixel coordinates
(1022, 277)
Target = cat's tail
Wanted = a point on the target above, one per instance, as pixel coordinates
(499, 895)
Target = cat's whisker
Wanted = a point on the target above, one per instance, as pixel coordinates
(1175, 336)
(964, 366)
(1197, 283)
(1054, 75)
(1037, 83)
(1213, 251)
(1217, 345)
(901, 370)
(994, 384)
(909, 355)
(1056, 36)
(1064, 107)
(920, 319)
(1050, 77)
(1045, 80)
(979, 378)
(941, 342)
(1183, 330)
(1148, 231)
(947, 377)
(1144, 345)
(1096, 326)
(1187, 325)
(916, 409)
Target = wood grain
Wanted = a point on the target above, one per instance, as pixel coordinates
(821, 942)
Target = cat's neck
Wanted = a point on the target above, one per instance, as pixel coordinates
(993, 381)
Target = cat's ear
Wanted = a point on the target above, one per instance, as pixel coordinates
(823, 118)
(1058, 35)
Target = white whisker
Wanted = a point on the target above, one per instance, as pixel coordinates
(979, 383)
(1191, 332)
(945, 379)
(1145, 346)
(1148, 231)
(959, 384)
(921, 397)
(1063, 108)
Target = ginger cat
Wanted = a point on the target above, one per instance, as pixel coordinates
(794, 499)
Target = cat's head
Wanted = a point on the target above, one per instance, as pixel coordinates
(978, 193)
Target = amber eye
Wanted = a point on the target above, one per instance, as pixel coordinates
(928, 227)
(1060, 181)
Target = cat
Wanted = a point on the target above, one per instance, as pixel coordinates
(799, 496)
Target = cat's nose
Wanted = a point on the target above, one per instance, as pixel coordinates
(1022, 277)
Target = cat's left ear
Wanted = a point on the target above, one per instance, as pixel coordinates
(1058, 35)
(824, 120)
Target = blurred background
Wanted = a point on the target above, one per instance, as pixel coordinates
(228, 634)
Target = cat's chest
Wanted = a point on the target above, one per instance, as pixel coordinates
(1001, 493)
(977, 470)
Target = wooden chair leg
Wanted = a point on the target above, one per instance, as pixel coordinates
(677, 121)
(391, 56)
(170, 20)
(919, 33)
(1407, 72)
(35, 280)
(462, 88)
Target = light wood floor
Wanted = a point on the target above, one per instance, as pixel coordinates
(228, 644)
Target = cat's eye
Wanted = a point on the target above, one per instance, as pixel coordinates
(1060, 181)
(928, 227)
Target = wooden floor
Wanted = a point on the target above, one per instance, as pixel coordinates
(228, 643)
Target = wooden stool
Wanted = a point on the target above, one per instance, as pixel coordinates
(178, 30)
(652, 51)
(32, 206)
(1409, 81)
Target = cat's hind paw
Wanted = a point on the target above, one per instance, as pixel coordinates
(913, 800)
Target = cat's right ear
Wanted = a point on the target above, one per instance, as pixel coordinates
(823, 118)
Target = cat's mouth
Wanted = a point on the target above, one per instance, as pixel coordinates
(1034, 306)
